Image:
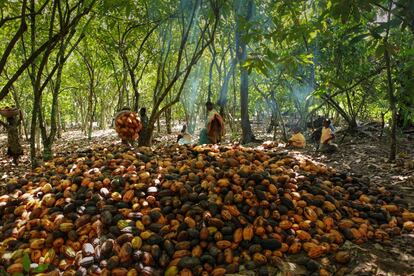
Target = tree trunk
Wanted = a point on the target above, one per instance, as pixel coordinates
(59, 122)
(210, 73)
(382, 123)
(168, 114)
(147, 136)
(247, 134)
(48, 140)
(14, 148)
(49, 44)
(393, 108)
(33, 132)
(90, 113)
(282, 123)
(23, 124)
(183, 64)
(391, 97)
(120, 104)
(136, 99)
(124, 82)
(352, 125)
(222, 101)
(19, 33)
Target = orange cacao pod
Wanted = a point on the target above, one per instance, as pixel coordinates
(303, 235)
(248, 232)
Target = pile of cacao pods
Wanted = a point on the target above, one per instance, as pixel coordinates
(188, 211)
(127, 126)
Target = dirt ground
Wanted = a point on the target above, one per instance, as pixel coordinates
(362, 156)
(366, 155)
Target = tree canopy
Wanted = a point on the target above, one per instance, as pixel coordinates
(78, 62)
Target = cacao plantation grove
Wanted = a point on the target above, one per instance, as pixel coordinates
(206, 137)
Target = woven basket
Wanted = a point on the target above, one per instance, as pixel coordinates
(9, 112)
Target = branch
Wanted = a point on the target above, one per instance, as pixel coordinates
(56, 66)
(16, 37)
(343, 90)
(393, 13)
(4, 20)
(142, 45)
(50, 43)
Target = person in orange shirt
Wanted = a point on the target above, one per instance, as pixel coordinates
(327, 136)
(297, 140)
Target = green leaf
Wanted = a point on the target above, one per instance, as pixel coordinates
(328, 4)
(395, 22)
(306, 58)
(338, 83)
(247, 63)
(375, 34)
(26, 262)
(379, 52)
(390, 48)
(318, 93)
(358, 38)
(263, 70)
(41, 268)
(312, 35)
(357, 14)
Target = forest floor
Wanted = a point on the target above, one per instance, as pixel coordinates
(362, 156)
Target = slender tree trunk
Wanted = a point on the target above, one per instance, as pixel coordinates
(48, 140)
(59, 121)
(391, 96)
(11, 44)
(247, 133)
(136, 99)
(49, 44)
(233, 126)
(147, 138)
(210, 73)
(222, 101)
(382, 123)
(183, 64)
(120, 104)
(102, 115)
(393, 108)
(14, 148)
(90, 112)
(125, 81)
(23, 124)
(33, 132)
(168, 115)
(282, 123)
